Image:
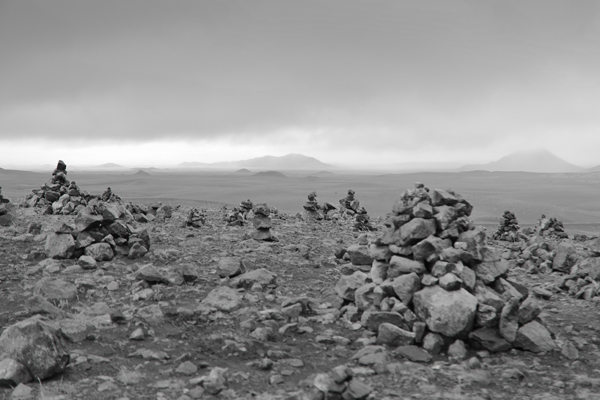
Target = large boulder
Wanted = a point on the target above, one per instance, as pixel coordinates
(534, 337)
(36, 344)
(347, 284)
(492, 266)
(87, 219)
(449, 313)
(565, 258)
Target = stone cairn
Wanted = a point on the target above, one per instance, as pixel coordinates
(433, 282)
(143, 213)
(551, 227)
(349, 206)
(196, 218)
(583, 270)
(101, 231)
(508, 230)
(262, 223)
(314, 211)
(59, 195)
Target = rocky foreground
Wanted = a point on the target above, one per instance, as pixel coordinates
(210, 312)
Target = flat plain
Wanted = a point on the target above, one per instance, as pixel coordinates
(569, 197)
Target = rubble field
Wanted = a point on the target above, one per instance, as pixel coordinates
(424, 306)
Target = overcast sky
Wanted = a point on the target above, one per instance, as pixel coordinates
(349, 82)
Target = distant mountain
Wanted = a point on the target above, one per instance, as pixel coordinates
(594, 169)
(289, 161)
(270, 174)
(141, 173)
(110, 165)
(539, 160)
(243, 171)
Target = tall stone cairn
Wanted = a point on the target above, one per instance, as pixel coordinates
(262, 223)
(433, 281)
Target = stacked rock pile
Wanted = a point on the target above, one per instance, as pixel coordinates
(433, 281)
(314, 211)
(59, 195)
(143, 213)
(262, 223)
(101, 231)
(583, 278)
(196, 218)
(551, 227)
(508, 230)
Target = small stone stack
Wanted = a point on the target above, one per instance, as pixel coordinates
(583, 278)
(143, 213)
(433, 281)
(262, 223)
(196, 218)
(101, 231)
(551, 227)
(508, 230)
(246, 208)
(59, 196)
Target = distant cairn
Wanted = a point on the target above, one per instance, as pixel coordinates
(508, 230)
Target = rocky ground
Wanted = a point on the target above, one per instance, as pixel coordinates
(174, 325)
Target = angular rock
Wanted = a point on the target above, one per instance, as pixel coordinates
(534, 337)
(261, 276)
(492, 266)
(486, 317)
(416, 230)
(149, 273)
(36, 344)
(359, 254)
(445, 216)
(60, 245)
(379, 271)
(450, 313)
(347, 284)
(430, 248)
(468, 277)
(13, 373)
(100, 251)
(87, 219)
(405, 286)
(457, 350)
(391, 335)
(414, 353)
(528, 311)
(450, 282)
(401, 265)
(509, 320)
(489, 339)
(381, 253)
(474, 242)
(364, 296)
(372, 320)
(433, 343)
(137, 251)
(565, 258)
(87, 262)
(488, 296)
(228, 267)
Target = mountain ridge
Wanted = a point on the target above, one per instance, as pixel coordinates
(538, 160)
(288, 161)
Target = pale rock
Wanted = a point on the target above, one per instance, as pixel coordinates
(137, 251)
(528, 311)
(13, 373)
(381, 253)
(364, 295)
(457, 350)
(87, 219)
(492, 266)
(347, 284)
(261, 276)
(149, 273)
(87, 262)
(55, 289)
(488, 296)
(405, 286)
(391, 335)
(228, 267)
(371, 320)
(223, 298)
(433, 343)
(359, 254)
(509, 320)
(450, 282)
(60, 245)
(450, 313)
(100, 251)
(534, 337)
(379, 271)
(35, 343)
(401, 265)
(565, 258)
(417, 229)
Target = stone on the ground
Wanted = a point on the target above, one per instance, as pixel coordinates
(12, 372)
(347, 284)
(55, 289)
(373, 319)
(223, 298)
(509, 320)
(261, 276)
(413, 353)
(450, 313)
(565, 258)
(491, 267)
(457, 350)
(433, 343)
(402, 265)
(489, 339)
(359, 254)
(137, 251)
(391, 335)
(228, 267)
(87, 262)
(100, 251)
(405, 286)
(36, 344)
(60, 245)
(534, 337)
(528, 311)
(149, 273)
